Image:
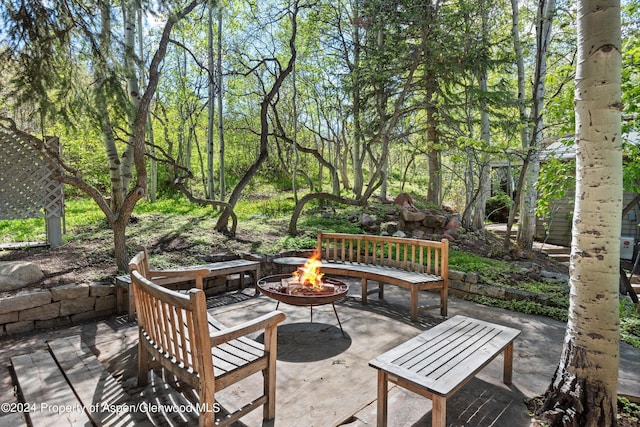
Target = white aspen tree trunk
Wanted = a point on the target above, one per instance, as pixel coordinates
(522, 108)
(484, 178)
(211, 105)
(223, 189)
(132, 87)
(108, 139)
(357, 157)
(153, 164)
(584, 388)
(529, 195)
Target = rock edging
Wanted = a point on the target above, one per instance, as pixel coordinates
(463, 285)
(62, 305)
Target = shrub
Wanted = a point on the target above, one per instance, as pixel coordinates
(497, 208)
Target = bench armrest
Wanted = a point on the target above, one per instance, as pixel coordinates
(263, 322)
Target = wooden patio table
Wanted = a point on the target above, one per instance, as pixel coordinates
(438, 362)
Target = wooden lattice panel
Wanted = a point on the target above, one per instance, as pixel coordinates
(26, 187)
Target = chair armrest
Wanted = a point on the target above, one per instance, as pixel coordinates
(263, 322)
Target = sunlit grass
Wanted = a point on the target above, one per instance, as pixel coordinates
(80, 215)
(22, 230)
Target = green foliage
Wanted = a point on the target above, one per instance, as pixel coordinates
(629, 409)
(557, 177)
(629, 323)
(82, 216)
(468, 262)
(497, 207)
(306, 241)
(523, 306)
(275, 208)
(22, 230)
(178, 205)
(631, 167)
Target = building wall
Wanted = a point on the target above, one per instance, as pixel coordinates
(559, 232)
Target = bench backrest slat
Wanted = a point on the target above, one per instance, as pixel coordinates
(425, 256)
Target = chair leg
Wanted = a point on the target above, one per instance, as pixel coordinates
(270, 337)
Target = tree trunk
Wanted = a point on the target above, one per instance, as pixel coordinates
(484, 177)
(210, 105)
(522, 108)
(223, 221)
(357, 157)
(433, 155)
(153, 164)
(222, 180)
(108, 139)
(529, 195)
(583, 391)
(133, 87)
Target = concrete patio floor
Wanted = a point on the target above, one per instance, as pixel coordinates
(323, 378)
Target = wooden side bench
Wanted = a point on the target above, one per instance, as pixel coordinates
(412, 264)
(216, 269)
(438, 362)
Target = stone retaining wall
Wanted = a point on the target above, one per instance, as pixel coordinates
(466, 284)
(69, 304)
(62, 305)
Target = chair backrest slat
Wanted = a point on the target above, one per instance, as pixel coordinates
(168, 319)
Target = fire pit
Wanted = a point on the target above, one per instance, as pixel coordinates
(280, 289)
(306, 287)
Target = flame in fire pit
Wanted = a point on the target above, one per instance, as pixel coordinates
(309, 274)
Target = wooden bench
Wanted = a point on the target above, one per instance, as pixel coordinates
(412, 264)
(176, 333)
(196, 274)
(438, 362)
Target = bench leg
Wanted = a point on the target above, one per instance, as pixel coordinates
(380, 290)
(414, 304)
(132, 304)
(382, 399)
(439, 411)
(255, 274)
(364, 291)
(443, 301)
(120, 299)
(508, 364)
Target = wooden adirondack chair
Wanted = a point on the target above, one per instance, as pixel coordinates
(177, 333)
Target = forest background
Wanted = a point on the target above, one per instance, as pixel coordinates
(328, 100)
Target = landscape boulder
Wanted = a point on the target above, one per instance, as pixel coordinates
(435, 221)
(409, 215)
(18, 274)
